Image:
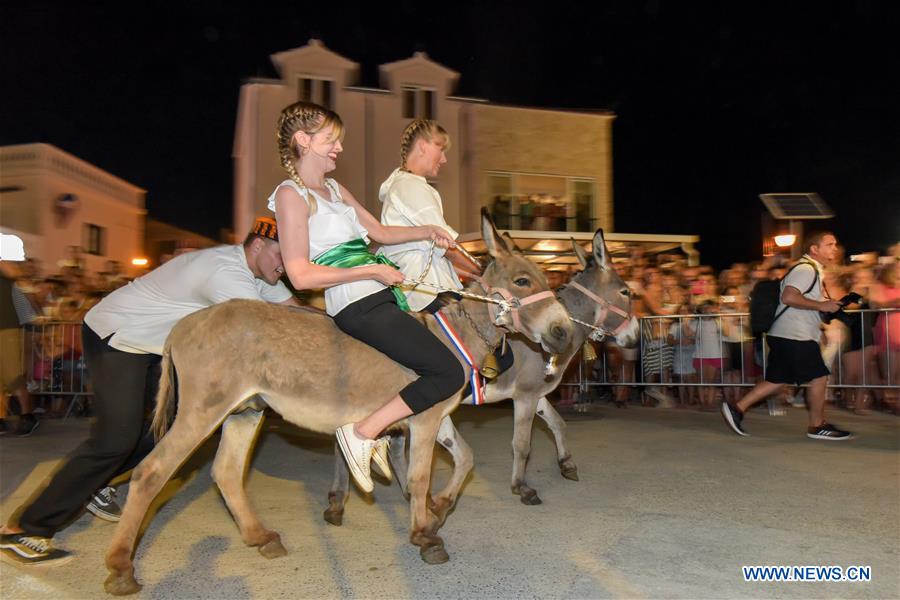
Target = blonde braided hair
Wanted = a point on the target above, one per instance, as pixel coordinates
(309, 118)
(420, 128)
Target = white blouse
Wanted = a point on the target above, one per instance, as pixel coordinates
(333, 223)
(410, 201)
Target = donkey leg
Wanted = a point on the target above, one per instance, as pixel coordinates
(423, 526)
(146, 481)
(399, 461)
(557, 425)
(449, 438)
(524, 409)
(229, 470)
(340, 490)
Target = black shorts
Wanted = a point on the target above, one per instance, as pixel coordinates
(735, 360)
(794, 361)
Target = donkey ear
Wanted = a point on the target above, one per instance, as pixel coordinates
(601, 253)
(496, 245)
(580, 253)
(510, 242)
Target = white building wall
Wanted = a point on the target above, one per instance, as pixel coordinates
(44, 173)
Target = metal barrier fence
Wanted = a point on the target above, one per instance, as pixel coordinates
(699, 350)
(54, 365)
(863, 355)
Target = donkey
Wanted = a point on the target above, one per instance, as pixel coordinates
(233, 358)
(596, 295)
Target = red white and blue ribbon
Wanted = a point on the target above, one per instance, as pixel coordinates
(475, 379)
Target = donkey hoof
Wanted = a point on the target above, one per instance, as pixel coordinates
(434, 555)
(273, 548)
(570, 473)
(334, 517)
(530, 498)
(121, 585)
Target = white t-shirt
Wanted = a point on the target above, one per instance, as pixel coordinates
(409, 201)
(709, 342)
(798, 323)
(142, 314)
(333, 224)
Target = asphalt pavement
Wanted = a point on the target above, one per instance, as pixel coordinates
(670, 504)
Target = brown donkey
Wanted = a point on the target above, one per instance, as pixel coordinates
(596, 295)
(243, 354)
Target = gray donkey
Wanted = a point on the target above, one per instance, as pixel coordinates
(233, 358)
(596, 295)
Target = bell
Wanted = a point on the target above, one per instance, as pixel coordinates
(489, 368)
(588, 354)
(550, 369)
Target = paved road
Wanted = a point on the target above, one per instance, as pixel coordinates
(670, 505)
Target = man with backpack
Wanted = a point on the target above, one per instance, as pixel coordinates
(793, 338)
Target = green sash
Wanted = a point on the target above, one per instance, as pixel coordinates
(355, 253)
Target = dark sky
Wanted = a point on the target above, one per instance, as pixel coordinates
(716, 102)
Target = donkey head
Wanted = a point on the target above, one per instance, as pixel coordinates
(535, 313)
(612, 299)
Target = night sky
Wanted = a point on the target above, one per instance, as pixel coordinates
(715, 102)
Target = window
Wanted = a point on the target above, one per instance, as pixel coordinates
(582, 198)
(540, 202)
(320, 91)
(94, 238)
(418, 103)
(501, 199)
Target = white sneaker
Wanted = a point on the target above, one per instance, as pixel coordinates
(380, 455)
(358, 454)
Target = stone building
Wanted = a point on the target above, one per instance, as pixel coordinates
(535, 168)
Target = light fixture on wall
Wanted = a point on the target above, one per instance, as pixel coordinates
(785, 240)
(140, 262)
(11, 248)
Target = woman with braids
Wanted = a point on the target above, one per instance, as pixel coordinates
(324, 234)
(410, 201)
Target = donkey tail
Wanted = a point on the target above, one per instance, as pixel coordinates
(164, 413)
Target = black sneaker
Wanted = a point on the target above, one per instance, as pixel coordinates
(733, 418)
(27, 424)
(35, 551)
(826, 431)
(104, 506)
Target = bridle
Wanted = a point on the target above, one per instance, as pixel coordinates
(599, 325)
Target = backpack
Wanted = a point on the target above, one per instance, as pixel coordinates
(764, 300)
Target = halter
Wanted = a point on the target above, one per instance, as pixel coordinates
(605, 309)
(511, 304)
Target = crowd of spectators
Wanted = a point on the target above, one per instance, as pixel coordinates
(696, 330)
(50, 302)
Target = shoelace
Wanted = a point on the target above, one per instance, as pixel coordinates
(108, 493)
(38, 544)
(367, 449)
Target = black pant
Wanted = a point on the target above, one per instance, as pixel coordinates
(121, 381)
(379, 322)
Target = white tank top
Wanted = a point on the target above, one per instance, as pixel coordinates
(333, 223)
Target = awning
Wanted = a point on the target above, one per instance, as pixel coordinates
(553, 249)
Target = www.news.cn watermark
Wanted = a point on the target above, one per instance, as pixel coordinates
(818, 573)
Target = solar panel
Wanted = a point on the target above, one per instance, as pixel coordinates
(796, 206)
